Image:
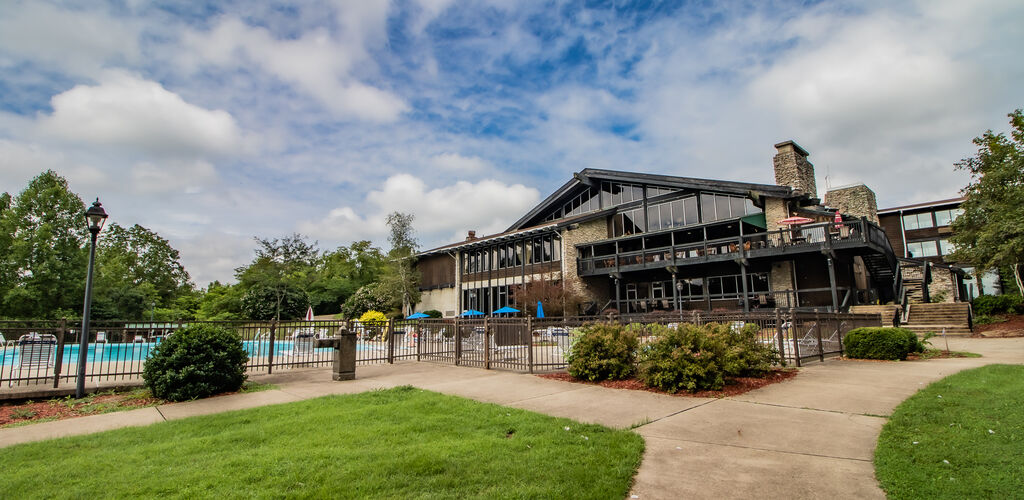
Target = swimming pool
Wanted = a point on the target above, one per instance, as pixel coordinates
(139, 351)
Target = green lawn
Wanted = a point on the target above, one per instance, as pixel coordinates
(400, 443)
(961, 437)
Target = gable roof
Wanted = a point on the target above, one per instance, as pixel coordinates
(588, 176)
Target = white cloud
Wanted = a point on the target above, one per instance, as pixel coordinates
(128, 112)
(458, 163)
(74, 40)
(189, 176)
(315, 62)
(442, 213)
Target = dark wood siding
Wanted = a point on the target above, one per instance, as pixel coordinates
(436, 271)
(891, 225)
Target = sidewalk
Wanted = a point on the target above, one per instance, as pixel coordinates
(812, 436)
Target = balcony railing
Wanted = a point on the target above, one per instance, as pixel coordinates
(800, 239)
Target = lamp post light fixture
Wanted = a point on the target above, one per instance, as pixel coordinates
(95, 216)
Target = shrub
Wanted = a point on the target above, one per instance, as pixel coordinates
(433, 313)
(196, 362)
(695, 358)
(881, 343)
(373, 323)
(603, 351)
(988, 305)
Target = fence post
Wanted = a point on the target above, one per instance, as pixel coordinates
(817, 328)
(457, 337)
(390, 332)
(419, 338)
(58, 363)
(792, 331)
(270, 349)
(487, 344)
(529, 342)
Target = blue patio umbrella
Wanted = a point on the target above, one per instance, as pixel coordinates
(471, 312)
(540, 309)
(505, 310)
(417, 316)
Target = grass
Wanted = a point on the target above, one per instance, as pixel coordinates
(937, 353)
(399, 443)
(960, 437)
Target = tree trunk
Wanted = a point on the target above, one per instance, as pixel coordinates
(1017, 278)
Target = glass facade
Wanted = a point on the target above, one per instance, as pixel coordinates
(918, 221)
(535, 250)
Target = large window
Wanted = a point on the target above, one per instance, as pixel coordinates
(675, 213)
(614, 193)
(919, 249)
(587, 201)
(718, 287)
(628, 222)
(946, 217)
(918, 221)
(945, 247)
(653, 191)
(719, 207)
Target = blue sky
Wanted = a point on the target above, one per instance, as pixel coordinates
(214, 123)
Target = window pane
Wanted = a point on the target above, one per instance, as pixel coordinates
(930, 248)
(606, 195)
(666, 217)
(915, 249)
(638, 193)
(678, 219)
(715, 286)
(909, 222)
(924, 220)
(749, 207)
(707, 207)
(696, 287)
(638, 219)
(691, 210)
(945, 247)
(738, 206)
(652, 215)
(722, 207)
(729, 285)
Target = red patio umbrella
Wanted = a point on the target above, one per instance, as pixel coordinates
(838, 220)
(309, 314)
(792, 221)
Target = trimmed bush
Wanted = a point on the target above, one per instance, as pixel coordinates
(695, 358)
(433, 313)
(988, 305)
(197, 361)
(881, 343)
(603, 351)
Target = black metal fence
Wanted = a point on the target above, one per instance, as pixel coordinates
(46, 352)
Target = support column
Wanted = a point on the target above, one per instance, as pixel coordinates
(832, 284)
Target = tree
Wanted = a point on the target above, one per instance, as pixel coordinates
(42, 260)
(221, 302)
(556, 299)
(990, 233)
(368, 297)
(401, 279)
(136, 271)
(340, 273)
(263, 303)
(281, 267)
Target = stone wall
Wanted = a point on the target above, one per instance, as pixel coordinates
(792, 168)
(943, 285)
(775, 209)
(781, 279)
(857, 200)
(445, 300)
(583, 232)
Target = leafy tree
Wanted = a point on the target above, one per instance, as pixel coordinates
(42, 261)
(281, 268)
(402, 280)
(340, 273)
(137, 270)
(990, 233)
(221, 302)
(369, 297)
(556, 299)
(264, 303)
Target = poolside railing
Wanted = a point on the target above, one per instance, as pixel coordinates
(46, 351)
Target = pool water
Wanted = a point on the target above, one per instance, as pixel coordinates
(139, 351)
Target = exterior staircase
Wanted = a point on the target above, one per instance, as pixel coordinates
(887, 312)
(955, 317)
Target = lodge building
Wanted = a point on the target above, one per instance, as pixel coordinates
(638, 243)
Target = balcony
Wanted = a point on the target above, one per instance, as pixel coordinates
(859, 236)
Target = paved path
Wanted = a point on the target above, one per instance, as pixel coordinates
(812, 436)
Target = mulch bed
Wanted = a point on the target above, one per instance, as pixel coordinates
(733, 387)
(57, 409)
(1012, 327)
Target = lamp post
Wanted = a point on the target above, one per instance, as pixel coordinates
(95, 216)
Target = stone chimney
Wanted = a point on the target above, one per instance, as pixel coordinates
(857, 200)
(792, 168)
(471, 236)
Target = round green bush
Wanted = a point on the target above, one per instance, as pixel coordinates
(603, 352)
(695, 358)
(197, 361)
(881, 343)
(988, 305)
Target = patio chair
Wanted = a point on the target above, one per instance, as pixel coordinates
(101, 337)
(35, 352)
(6, 343)
(302, 344)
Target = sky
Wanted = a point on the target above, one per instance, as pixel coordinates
(214, 123)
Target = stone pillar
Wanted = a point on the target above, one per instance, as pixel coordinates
(583, 232)
(781, 279)
(792, 168)
(344, 344)
(857, 200)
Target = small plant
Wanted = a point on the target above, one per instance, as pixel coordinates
(882, 343)
(938, 297)
(196, 362)
(21, 413)
(603, 351)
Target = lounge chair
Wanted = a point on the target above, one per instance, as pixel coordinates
(302, 344)
(101, 337)
(35, 352)
(6, 343)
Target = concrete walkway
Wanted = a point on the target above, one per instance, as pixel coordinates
(812, 436)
